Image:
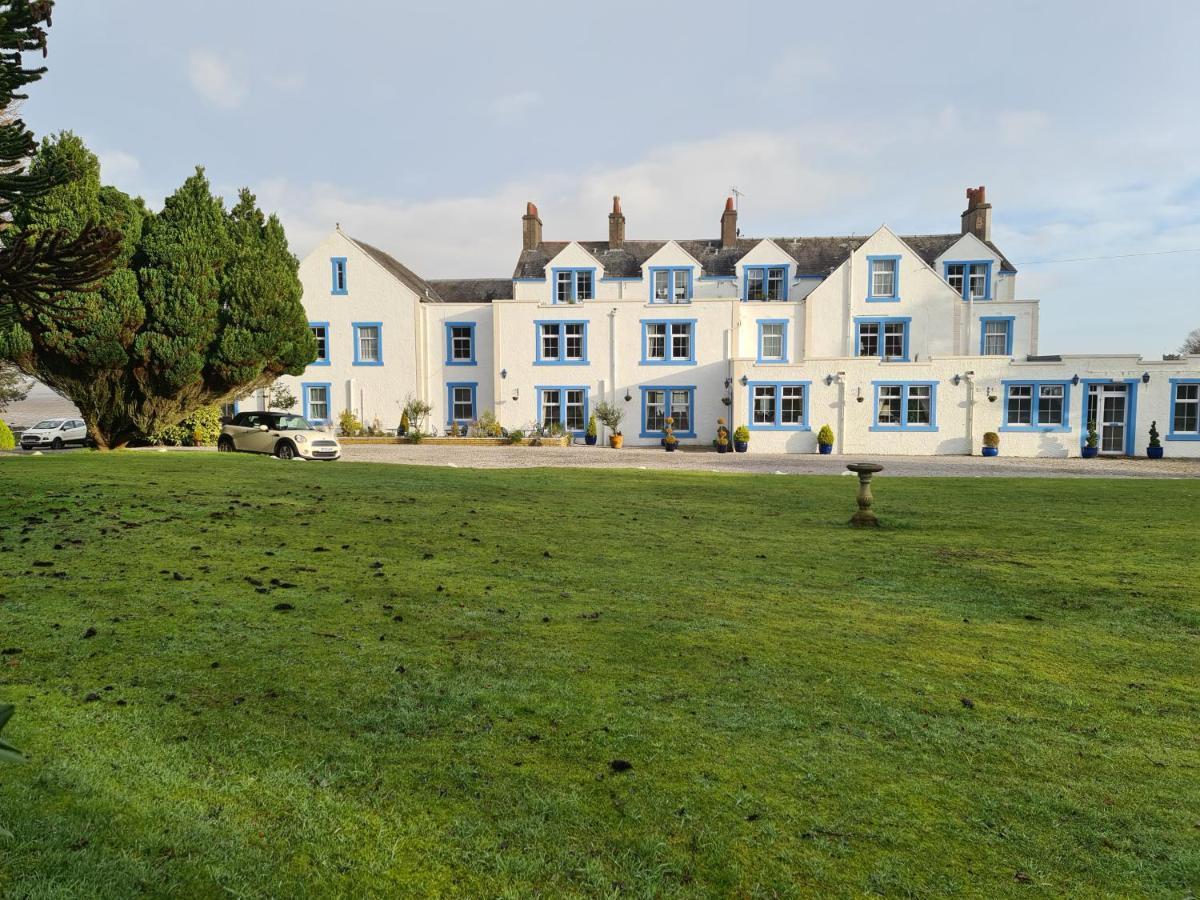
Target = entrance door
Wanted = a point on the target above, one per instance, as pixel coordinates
(1108, 405)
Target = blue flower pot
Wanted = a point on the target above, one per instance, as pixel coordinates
(1091, 452)
(991, 451)
(824, 449)
(741, 446)
(590, 440)
(1155, 452)
(671, 447)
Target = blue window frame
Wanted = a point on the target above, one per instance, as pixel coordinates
(883, 279)
(316, 398)
(970, 278)
(568, 405)
(1036, 406)
(670, 284)
(1185, 410)
(996, 335)
(338, 266)
(885, 337)
(779, 405)
(460, 402)
(764, 284)
(772, 340)
(460, 343)
(320, 331)
(668, 342)
(572, 285)
(368, 343)
(560, 342)
(905, 406)
(675, 400)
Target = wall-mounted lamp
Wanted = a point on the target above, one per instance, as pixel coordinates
(828, 380)
(628, 396)
(859, 396)
(1145, 378)
(956, 380)
(516, 393)
(1075, 380)
(991, 395)
(504, 373)
(728, 382)
(744, 381)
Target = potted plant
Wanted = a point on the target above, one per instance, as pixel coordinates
(741, 439)
(991, 444)
(1092, 447)
(590, 436)
(722, 437)
(669, 439)
(1154, 450)
(825, 440)
(610, 416)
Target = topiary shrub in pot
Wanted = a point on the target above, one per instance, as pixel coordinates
(1092, 447)
(991, 444)
(589, 436)
(610, 415)
(1154, 450)
(825, 440)
(741, 439)
(722, 437)
(669, 440)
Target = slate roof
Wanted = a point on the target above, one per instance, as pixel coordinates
(407, 276)
(473, 290)
(813, 255)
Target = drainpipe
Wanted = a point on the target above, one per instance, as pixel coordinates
(840, 437)
(969, 378)
(849, 313)
(612, 355)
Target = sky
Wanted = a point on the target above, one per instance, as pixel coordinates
(424, 128)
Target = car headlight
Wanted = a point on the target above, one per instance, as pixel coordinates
(300, 439)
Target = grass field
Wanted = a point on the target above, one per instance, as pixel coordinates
(239, 677)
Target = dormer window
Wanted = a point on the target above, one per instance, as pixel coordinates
(883, 279)
(338, 265)
(766, 283)
(970, 280)
(671, 285)
(574, 285)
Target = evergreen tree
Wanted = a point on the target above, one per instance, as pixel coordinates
(13, 387)
(203, 307)
(35, 274)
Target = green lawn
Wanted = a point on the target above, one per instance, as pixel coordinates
(997, 694)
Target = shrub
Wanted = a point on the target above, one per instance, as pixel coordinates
(200, 429)
(7, 441)
(1154, 441)
(610, 415)
(405, 423)
(1093, 439)
(348, 424)
(415, 436)
(991, 439)
(488, 424)
(591, 428)
(825, 436)
(741, 434)
(669, 432)
(722, 434)
(416, 410)
(516, 436)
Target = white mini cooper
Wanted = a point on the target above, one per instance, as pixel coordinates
(54, 434)
(286, 435)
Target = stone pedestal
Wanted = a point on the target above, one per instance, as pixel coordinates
(865, 517)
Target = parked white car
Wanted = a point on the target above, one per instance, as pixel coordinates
(54, 434)
(285, 435)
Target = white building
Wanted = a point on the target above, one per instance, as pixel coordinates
(912, 344)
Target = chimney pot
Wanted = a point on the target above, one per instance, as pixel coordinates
(729, 229)
(616, 225)
(531, 228)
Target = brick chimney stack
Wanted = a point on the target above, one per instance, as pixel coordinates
(729, 225)
(616, 225)
(977, 218)
(531, 228)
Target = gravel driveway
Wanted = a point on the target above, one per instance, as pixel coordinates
(778, 463)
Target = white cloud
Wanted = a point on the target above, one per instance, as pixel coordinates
(119, 168)
(513, 105)
(215, 80)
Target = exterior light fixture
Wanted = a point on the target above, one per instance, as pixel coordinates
(728, 382)
(956, 380)
(1075, 380)
(628, 396)
(1145, 378)
(504, 373)
(516, 393)
(859, 396)
(744, 381)
(828, 380)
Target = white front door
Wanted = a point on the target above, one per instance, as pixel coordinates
(1108, 405)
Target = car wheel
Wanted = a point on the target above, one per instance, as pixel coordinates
(225, 444)
(56, 444)
(285, 450)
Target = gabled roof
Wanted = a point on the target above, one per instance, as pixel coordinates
(813, 255)
(401, 272)
(472, 290)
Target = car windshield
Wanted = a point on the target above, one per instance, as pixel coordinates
(49, 423)
(293, 423)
